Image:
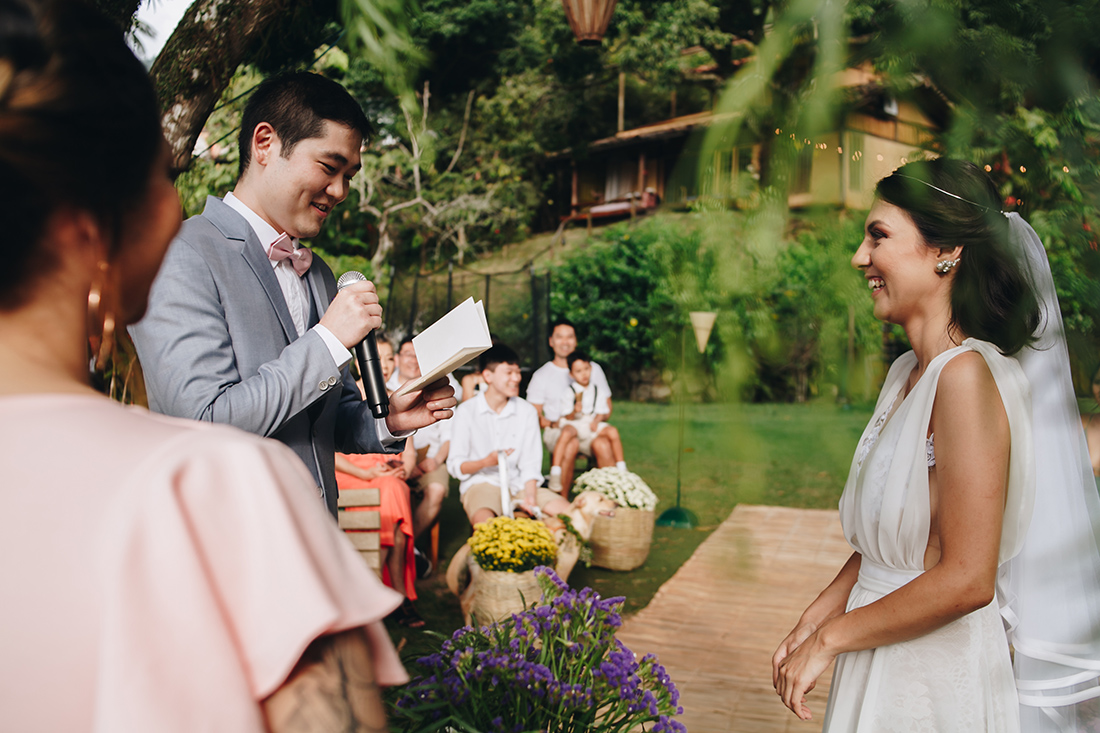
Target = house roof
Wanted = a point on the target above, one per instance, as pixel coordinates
(671, 128)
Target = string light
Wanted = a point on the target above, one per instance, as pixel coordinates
(840, 151)
(1023, 169)
(1065, 169)
(988, 168)
(777, 131)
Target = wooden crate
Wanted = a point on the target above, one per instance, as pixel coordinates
(362, 527)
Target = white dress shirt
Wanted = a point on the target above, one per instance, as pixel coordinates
(295, 291)
(478, 431)
(432, 437)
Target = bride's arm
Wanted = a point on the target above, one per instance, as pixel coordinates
(829, 604)
(972, 447)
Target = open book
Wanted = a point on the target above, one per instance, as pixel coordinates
(450, 342)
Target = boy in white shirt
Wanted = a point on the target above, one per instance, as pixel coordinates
(585, 410)
(498, 422)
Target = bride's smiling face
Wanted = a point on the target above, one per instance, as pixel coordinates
(900, 268)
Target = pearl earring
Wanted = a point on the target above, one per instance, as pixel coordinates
(944, 266)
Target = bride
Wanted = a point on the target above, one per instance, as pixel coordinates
(969, 504)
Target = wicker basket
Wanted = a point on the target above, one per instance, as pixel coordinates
(498, 593)
(622, 542)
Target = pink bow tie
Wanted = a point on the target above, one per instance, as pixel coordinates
(282, 249)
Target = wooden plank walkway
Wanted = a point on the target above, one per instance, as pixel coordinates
(716, 623)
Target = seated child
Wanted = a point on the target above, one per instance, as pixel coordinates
(585, 412)
(498, 422)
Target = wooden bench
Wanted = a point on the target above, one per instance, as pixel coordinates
(362, 527)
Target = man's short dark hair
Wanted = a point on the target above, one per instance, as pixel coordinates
(495, 356)
(401, 345)
(561, 322)
(296, 106)
(577, 355)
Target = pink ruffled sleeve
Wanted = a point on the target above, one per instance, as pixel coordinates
(224, 567)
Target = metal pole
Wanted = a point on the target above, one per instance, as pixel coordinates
(412, 306)
(389, 292)
(683, 395)
(677, 516)
(534, 317)
(488, 321)
(450, 283)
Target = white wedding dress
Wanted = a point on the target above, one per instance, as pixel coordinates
(959, 677)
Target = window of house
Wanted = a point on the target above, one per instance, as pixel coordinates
(803, 169)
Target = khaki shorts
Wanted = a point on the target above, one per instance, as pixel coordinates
(437, 475)
(550, 439)
(487, 496)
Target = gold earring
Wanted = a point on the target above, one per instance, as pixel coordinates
(101, 321)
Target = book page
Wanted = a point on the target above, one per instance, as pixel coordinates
(450, 342)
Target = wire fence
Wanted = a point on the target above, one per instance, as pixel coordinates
(517, 305)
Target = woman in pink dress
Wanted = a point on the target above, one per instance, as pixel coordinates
(185, 577)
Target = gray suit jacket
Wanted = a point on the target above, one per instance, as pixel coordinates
(218, 344)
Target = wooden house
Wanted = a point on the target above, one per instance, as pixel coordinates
(635, 170)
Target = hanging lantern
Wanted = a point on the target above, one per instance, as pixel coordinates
(589, 19)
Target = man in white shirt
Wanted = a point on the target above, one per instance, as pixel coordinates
(543, 392)
(246, 327)
(497, 433)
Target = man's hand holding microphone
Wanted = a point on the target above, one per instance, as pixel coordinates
(353, 317)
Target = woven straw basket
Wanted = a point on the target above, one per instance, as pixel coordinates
(498, 594)
(622, 542)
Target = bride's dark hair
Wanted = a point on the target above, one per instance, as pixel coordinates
(79, 127)
(953, 203)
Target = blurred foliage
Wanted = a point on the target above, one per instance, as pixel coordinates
(507, 84)
(612, 292)
(784, 323)
(1019, 82)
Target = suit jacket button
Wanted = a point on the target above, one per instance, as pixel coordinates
(323, 385)
(332, 381)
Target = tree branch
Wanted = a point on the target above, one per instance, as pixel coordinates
(462, 135)
(199, 60)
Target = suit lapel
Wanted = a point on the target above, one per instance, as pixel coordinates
(318, 294)
(233, 226)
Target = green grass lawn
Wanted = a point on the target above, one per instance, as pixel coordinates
(782, 455)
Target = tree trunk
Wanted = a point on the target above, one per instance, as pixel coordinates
(199, 60)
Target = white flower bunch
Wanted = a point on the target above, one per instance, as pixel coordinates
(622, 487)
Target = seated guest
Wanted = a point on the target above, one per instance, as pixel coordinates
(546, 385)
(167, 575)
(425, 455)
(386, 473)
(493, 424)
(584, 415)
(426, 466)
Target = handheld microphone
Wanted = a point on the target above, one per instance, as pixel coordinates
(370, 366)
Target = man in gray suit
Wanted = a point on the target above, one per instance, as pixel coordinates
(247, 328)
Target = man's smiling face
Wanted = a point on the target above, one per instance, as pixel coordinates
(301, 189)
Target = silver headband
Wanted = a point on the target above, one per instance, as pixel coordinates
(948, 193)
